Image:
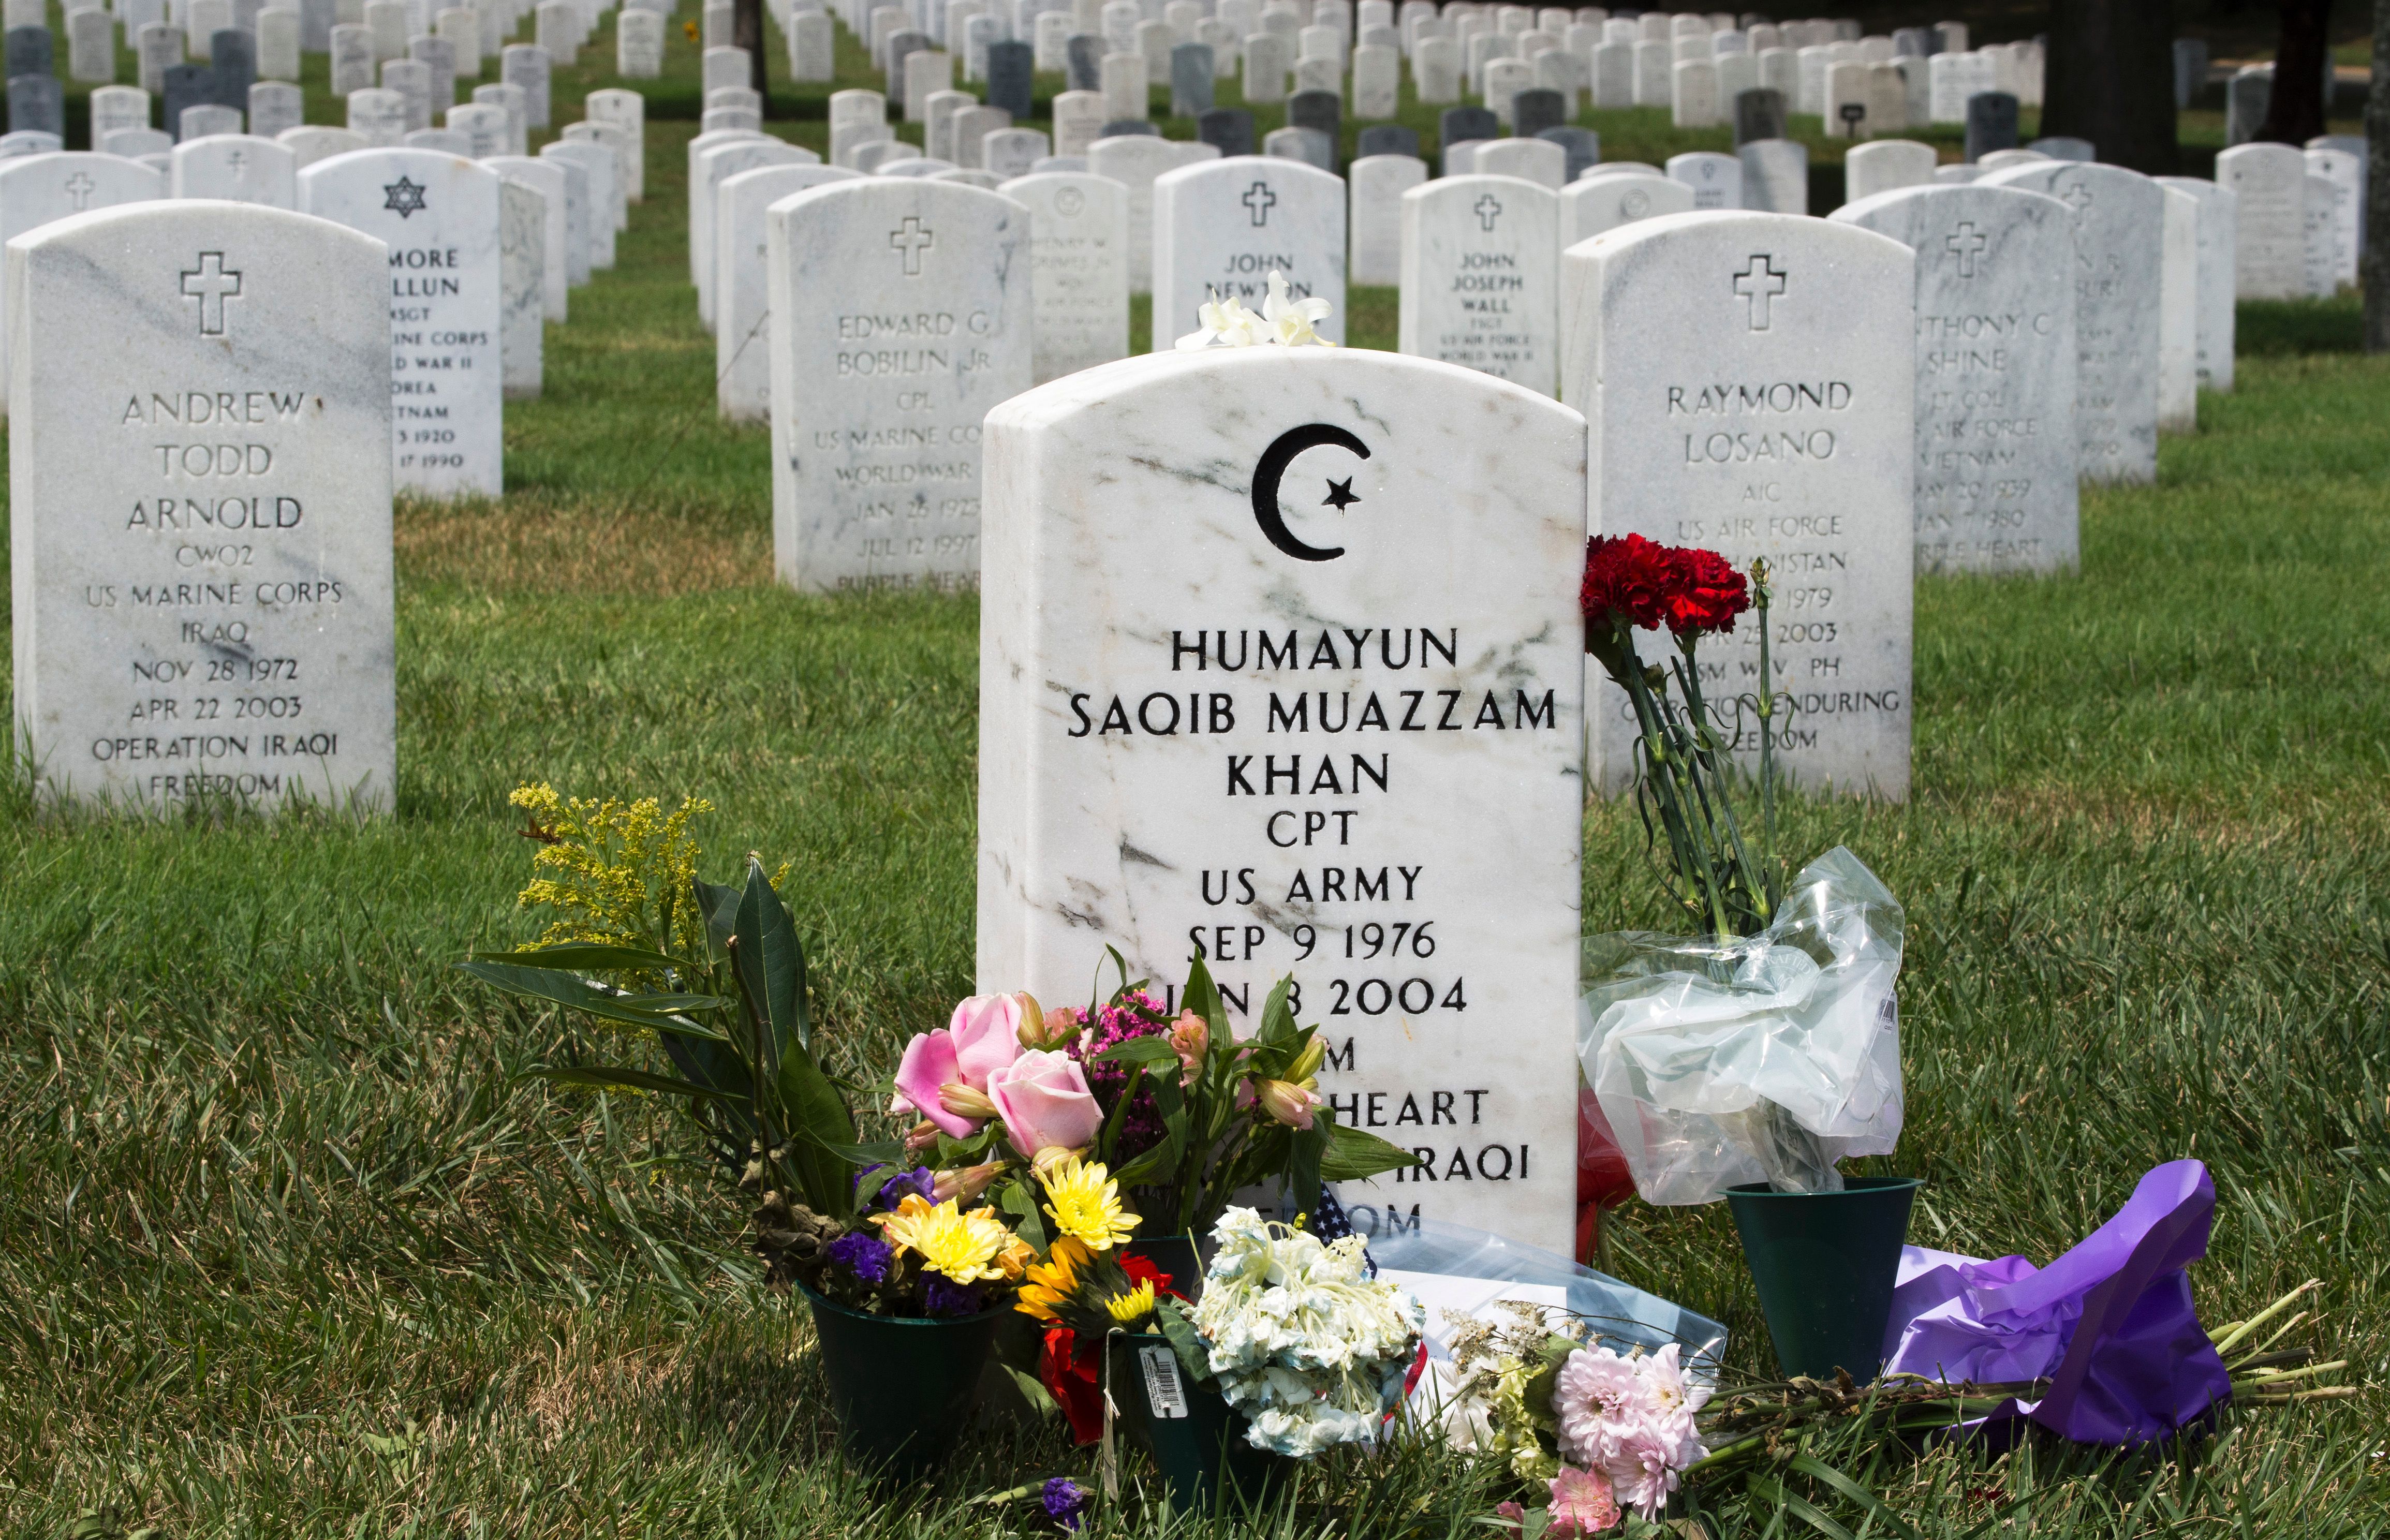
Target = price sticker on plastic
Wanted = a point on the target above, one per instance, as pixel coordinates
(1161, 1389)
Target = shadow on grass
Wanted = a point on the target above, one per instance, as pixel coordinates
(2288, 329)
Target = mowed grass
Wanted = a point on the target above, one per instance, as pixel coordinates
(285, 1249)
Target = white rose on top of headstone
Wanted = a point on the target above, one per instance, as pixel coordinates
(439, 216)
(36, 189)
(1281, 662)
(1749, 383)
(1222, 226)
(900, 313)
(1481, 277)
(1996, 486)
(204, 612)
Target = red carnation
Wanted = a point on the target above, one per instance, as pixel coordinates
(1706, 595)
(1628, 576)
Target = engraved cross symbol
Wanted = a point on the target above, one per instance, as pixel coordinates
(1963, 243)
(211, 286)
(1260, 200)
(237, 161)
(2080, 196)
(912, 240)
(80, 187)
(1488, 210)
(1757, 284)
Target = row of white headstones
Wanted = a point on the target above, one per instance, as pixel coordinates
(1197, 569)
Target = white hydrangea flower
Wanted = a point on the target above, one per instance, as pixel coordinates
(1310, 1347)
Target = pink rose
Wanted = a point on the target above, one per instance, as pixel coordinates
(943, 1074)
(1044, 1103)
(1582, 1504)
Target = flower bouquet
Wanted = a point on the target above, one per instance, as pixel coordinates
(908, 1275)
(1747, 1059)
(1121, 1124)
(1293, 1350)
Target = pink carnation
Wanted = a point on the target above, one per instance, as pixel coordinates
(1582, 1504)
(1596, 1400)
(1631, 1419)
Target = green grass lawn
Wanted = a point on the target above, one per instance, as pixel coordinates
(285, 1249)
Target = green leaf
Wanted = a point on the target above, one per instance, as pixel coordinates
(1108, 1137)
(720, 906)
(1202, 998)
(1799, 1507)
(771, 963)
(1019, 1199)
(1150, 1051)
(1034, 1394)
(819, 1119)
(1817, 1470)
(1185, 1340)
(589, 957)
(1302, 1183)
(1278, 1022)
(624, 1080)
(578, 994)
(1355, 1154)
(889, 1152)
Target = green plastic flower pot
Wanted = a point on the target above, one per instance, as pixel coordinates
(1196, 1438)
(904, 1389)
(1826, 1264)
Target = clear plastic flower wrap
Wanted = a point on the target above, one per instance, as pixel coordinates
(1763, 1058)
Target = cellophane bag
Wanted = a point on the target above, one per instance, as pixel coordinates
(1763, 1058)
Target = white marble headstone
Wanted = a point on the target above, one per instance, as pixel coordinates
(1078, 270)
(439, 216)
(2219, 221)
(1134, 161)
(204, 612)
(1225, 226)
(901, 311)
(1749, 380)
(1376, 185)
(36, 189)
(1885, 166)
(241, 168)
(715, 165)
(2271, 241)
(742, 344)
(522, 276)
(1480, 277)
(553, 182)
(1301, 732)
(2119, 248)
(1591, 204)
(1996, 486)
(1716, 179)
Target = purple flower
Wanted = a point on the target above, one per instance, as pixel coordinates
(940, 1297)
(864, 1255)
(1138, 1015)
(920, 1179)
(1065, 1500)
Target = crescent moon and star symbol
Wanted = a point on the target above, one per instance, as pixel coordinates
(1271, 469)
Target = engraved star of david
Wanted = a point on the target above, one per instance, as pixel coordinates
(402, 198)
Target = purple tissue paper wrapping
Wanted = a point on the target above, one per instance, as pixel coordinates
(2110, 1323)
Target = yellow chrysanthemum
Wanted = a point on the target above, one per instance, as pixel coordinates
(1050, 1282)
(965, 1247)
(1085, 1203)
(1134, 1306)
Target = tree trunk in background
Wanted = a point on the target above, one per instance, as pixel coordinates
(2298, 107)
(2374, 273)
(2111, 79)
(747, 32)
